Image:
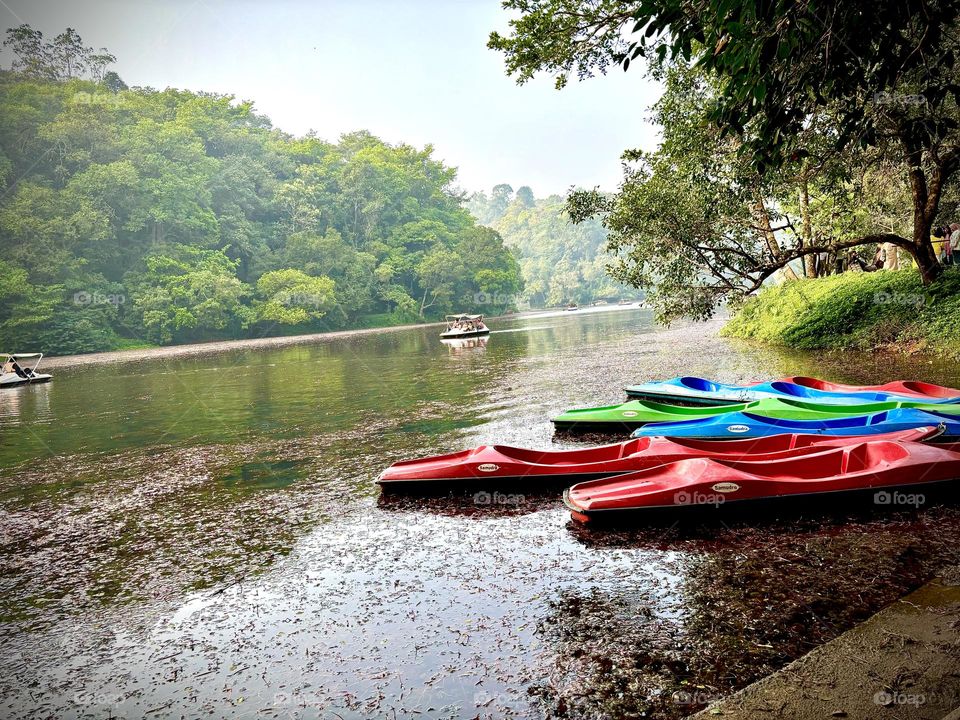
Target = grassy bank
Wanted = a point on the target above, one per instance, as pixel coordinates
(863, 311)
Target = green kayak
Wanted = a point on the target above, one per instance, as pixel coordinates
(634, 414)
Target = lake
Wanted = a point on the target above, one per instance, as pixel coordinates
(204, 535)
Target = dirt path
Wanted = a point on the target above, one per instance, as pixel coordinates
(903, 663)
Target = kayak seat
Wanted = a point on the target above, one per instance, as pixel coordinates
(791, 389)
(930, 389)
(813, 383)
(696, 383)
(865, 456)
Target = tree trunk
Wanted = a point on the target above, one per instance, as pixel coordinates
(926, 203)
(923, 253)
(763, 219)
(809, 261)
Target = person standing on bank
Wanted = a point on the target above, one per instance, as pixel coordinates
(946, 235)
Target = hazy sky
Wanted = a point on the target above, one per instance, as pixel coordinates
(416, 71)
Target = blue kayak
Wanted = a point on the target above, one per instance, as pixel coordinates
(729, 426)
(699, 391)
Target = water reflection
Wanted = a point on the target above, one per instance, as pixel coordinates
(457, 346)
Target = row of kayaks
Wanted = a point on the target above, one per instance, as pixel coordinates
(759, 418)
(700, 391)
(733, 455)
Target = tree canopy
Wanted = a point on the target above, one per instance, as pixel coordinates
(561, 261)
(825, 92)
(137, 215)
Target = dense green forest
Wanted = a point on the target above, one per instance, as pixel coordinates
(561, 261)
(136, 216)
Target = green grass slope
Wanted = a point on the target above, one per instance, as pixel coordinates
(863, 311)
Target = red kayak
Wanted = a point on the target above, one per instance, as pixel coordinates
(501, 464)
(892, 473)
(914, 388)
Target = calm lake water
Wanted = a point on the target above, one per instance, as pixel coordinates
(204, 535)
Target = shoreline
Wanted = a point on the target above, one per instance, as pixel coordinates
(216, 346)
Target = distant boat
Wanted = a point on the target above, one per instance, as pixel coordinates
(572, 306)
(13, 373)
(464, 326)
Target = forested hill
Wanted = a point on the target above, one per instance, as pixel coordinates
(561, 262)
(131, 216)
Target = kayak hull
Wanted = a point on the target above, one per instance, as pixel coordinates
(455, 336)
(14, 380)
(914, 388)
(733, 426)
(881, 468)
(636, 413)
(489, 466)
(700, 391)
(782, 506)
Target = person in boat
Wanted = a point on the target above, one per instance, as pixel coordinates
(15, 366)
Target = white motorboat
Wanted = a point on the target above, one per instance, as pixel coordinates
(463, 326)
(16, 369)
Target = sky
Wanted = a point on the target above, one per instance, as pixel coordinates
(413, 71)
